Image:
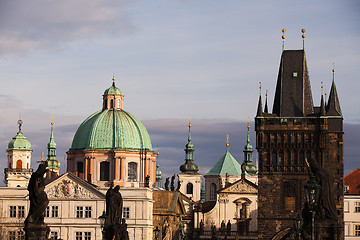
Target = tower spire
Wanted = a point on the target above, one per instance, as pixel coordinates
(266, 102)
(189, 166)
(52, 164)
(259, 110)
(333, 105)
(322, 105)
(249, 167)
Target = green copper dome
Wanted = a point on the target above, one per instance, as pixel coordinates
(111, 129)
(113, 90)
(19, 142)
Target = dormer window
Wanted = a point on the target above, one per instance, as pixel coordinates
(295, 74)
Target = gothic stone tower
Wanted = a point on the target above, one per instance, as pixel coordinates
(296, 130)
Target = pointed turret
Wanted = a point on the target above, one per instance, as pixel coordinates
(259, 110)
(266, 102)
(333, 105)
(322, 106)
(189, 166)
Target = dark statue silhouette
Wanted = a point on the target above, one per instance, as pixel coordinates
(35, 228)
(115, 226)
(327, 208)
(167, 182)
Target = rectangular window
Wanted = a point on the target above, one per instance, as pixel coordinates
(87, 235)
(55, 211)
(78, 236)
(357, 206)
(79, 212)
(346, 206)
(12, 211)
(126, 212)
(12, 235)
(357, 230)
(21, 211)
(47, 212)
(54, 235)
(21, 235)
(88, 212)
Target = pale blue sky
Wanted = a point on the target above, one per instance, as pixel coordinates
(170, 58)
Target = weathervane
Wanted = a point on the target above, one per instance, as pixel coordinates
(20, 122)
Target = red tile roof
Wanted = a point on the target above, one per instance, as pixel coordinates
(353, 181)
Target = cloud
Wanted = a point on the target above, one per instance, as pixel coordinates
(26, 25)
(208, 137)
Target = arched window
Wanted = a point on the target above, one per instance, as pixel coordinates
(18, 164)
(104, 171)
(132, 171)
(118, 103)
(189, 188)
(111, 103)
(105, 104)
(212, 191)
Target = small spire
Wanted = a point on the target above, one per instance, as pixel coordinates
(227, 141)
(266, 104)
(189, 137)
(259, 110)
(283, 38)
(303, 37)
(322, 106)
(113, 79)
(248, 133)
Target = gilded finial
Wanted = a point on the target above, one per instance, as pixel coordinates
(283, 38)
(52, 118)
(248, 125)
(157, 150)
(260, 87)
(189, 121)
(322, 88)
(266, 93)
(227, 140)
(113, 79)
(303, 37)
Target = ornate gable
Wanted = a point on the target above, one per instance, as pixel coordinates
(69, 186)
(241, 186)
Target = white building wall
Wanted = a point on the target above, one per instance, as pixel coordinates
(352, 216)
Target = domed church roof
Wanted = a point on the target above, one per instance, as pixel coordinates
(111, 129)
